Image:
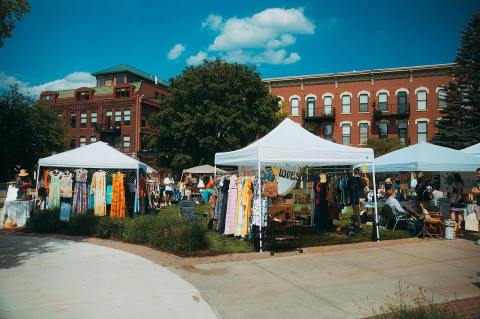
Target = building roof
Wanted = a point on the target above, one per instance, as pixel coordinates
(363, 72)
(98, 90)
(131, 69)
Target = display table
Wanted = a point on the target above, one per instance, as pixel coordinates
(18, 210)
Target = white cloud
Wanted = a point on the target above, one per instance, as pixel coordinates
(197, 59)
(284, 41)
(176, 51)
(71, 81)
(213, 22)
(260, 29)
(268, 56)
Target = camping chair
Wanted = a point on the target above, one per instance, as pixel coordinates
(187, 209)
(391, 214)
(432, 225)
(398, 216)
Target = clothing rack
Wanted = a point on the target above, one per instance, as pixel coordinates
(130, 178)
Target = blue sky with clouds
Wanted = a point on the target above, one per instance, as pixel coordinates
(60, 42)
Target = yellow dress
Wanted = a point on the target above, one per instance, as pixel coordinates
(98, 189)
(117, 210)
(247, 205)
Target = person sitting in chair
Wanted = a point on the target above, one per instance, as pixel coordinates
(393, 202)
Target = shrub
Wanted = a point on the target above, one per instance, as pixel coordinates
(45, 221)
(110, 228)
(82, 225)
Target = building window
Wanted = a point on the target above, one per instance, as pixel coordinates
(122, 92)
(383, 102)
(83, 119)
(118, 118)
(310, 107)
(105, 81)
(402, 132)
(47, 98)
(363, 103)
(422, 131)
(117, 142)
(144, 120)
(346, 104)
(119, 79)
(442, 99)
(83, 141)
(73, 120)
(126, 118)
(73, 143)
(346, 134)
(93, 119)
(383, 130)
(93, 139)
(421, 100)
(294, 107)
(363, 133)
(402, 102)
(83, 96)
(109, 121)
(60, 116)
(327, 105)
(126, 144)
(328, 131)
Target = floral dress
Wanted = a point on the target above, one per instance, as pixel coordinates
(231, 207)
(80, 192)
(54, 191)
(66, 183)
(118, 196)
(98, 189)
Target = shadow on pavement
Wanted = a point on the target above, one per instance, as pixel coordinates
(16, 250)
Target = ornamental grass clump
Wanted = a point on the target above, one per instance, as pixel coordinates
(45, 222)
(82, 225)
(110, 228)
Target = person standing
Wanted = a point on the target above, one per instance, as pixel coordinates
(168, 181)
(475, 191)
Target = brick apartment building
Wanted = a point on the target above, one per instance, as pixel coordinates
(114, 111)
(350, 107)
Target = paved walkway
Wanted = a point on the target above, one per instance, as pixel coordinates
(52, 278)
(337, 284)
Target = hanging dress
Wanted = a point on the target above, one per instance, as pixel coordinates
(231, 207)
(223, 209)
(239, 209)
(247, 205)
(54, 190)
(98, 189)
(117, 209)
(66, 185)
(80, 192)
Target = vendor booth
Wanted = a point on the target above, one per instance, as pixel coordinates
(204, 170)
(197, 182)
(95, 176)
(283, 152)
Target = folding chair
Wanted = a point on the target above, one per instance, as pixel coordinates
(432, 226)
(398, 216)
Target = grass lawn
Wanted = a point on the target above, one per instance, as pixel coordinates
(218, 244)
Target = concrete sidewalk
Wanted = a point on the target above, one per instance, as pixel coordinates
(51, 278)
(346, 284)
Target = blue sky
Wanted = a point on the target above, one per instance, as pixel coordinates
(60, 42)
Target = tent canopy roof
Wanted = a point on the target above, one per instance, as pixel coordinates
(203, 169)
(95, 155)
(427, 158)
(474, 149)
(289, 144)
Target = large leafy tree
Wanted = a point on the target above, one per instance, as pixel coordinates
(216, 106)
(459, 126)
(28, 131)
(10, 12)
(382, 146)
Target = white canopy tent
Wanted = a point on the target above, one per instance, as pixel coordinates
(474, 149)
(96, 155)
(289, 144)
(204, 169)
(426, 157)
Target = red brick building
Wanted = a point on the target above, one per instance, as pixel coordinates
(115, 110)
(350, 107)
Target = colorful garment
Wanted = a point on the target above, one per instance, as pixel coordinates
(66, 185)
(231, 206)
(54, 191)
(99, 192)
(239, 212)
(109, 194)
(46, 184)
(117, 210)
(247, 205)
(80, 192)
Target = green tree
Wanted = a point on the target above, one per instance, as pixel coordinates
(459, 126)
(213, 107)
(28, 132)
(11, 11)
(382, 146)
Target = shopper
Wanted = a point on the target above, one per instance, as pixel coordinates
(475, 191)
(168, 181)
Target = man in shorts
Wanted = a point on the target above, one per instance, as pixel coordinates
(168, 181)
(475, 191)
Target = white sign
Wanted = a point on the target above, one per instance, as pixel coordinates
(287, 178)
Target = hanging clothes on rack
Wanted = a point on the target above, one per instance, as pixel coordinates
(239, 209)
(247, 205)
(66, 183)
(98, 188)
(80, 192)
(117, 209)
(231, 207)
(54, 191)
(223, 210)
(46, 183)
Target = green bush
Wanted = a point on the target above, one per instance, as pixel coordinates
(82, 225)
(45, 221)
(110, 228)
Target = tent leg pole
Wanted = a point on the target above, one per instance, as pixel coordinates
(375, 202)
(36, 189)
(215, 172)
(261, 204)
(137, 195)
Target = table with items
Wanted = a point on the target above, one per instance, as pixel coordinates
(18, 211)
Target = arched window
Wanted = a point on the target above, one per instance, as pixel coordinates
(294, 106)
(327, 105)
(310, 107)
